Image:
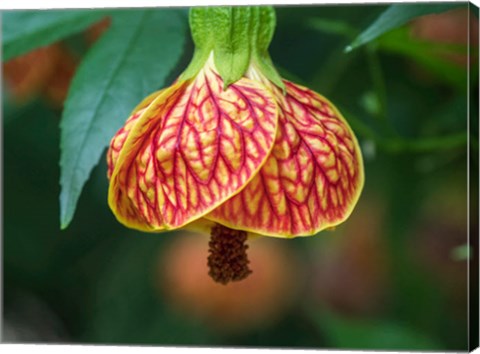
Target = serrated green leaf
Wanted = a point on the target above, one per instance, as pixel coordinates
(130, 61)
(23, 31)
(397, 15)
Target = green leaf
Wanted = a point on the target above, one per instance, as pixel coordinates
(27, 30)
(395, 16)
(130, 61)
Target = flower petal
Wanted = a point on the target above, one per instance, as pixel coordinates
(117, 142)
(312, 179)
(195, 146)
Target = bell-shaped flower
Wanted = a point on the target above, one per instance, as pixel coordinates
(232, 148)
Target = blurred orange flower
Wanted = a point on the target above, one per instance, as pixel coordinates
(262, 298)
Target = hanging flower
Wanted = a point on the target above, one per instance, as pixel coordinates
(234, 149)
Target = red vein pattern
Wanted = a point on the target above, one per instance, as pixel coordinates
(190, 150)
(311, 180)
(117, 142)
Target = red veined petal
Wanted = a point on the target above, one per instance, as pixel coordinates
(195, 146)
(117, 142)
(312, 179)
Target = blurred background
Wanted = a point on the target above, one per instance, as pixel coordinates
(393, 276)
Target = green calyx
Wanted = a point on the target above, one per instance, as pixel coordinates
(237, 36)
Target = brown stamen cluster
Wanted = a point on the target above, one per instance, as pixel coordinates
(228, 259)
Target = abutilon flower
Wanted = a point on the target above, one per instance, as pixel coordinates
(232, 148)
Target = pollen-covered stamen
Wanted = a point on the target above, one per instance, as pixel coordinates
(228, 259)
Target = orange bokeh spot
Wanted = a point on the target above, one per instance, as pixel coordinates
(25, 76)
(258, 300)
